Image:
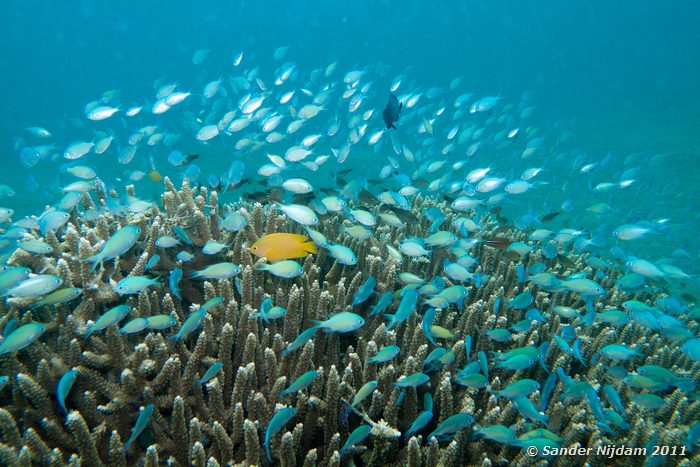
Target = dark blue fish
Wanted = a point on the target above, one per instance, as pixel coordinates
(383, 303)
(173, 282)
(152, 262)
(428, 318)
(365, 290)
(391, 112)
(140, 425)
(547, 391)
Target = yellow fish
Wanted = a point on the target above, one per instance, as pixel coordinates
(279, 246)
(155, 176)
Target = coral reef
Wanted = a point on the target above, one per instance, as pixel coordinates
(224, 420)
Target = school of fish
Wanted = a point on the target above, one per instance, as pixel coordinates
(483, 299)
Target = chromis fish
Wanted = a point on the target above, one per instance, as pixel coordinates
(406, 308)
(59, 296)
(357, 436)
(451, 426)
(173, 281)
(134, 284)
(301, 383)
(110, 318)
(287, 268)
(384, 355)
(412, 381)
(217, 271)
(142, 422)
(419, 423)
(160, 322)
(342, 254)
(365, 291)
(280, 246)
(21, 337)
(363, 393)
(190, 325)
(118, 244)
(40, 284)
(278, 421)
(344, 321)
(498, 433)
(133, 326)
(211, 372)
(301, 339)
(64, 386)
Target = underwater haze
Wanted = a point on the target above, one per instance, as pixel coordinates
(336, 233)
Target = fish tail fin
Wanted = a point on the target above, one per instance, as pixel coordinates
(391, 125)
(95, 260)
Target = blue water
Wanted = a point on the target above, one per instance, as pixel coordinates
(621, 76)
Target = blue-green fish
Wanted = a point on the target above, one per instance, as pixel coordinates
(64, 386)
(365, 291)
(182, 235)
(3, 381)
(110, 318)
(213, 247)
(59, 296)
(38, 247)
(528, 410)
(160, 322)
(133, 326)
(419, 423)
(412, 381)
(451, 426)
(618, 352)
(173, 281)
(14, 276)
(288, 268)
(344, 321)
(167, 241)
(382, 304)
(301, 339)
(357, 436)
(521, 301)
(152, 262)
(278, 422)
(301, 383)
(473, 380)
(211, 372)
(21, 337)
(134, 284)
(649, 401)
(498, 433)
(518, 362)
(385, 354)
(265, 306)
(363, 393)
(406, 307)
(664, 375)
(41, 284)
(51, 221)
(118, 244)
(217, 271)
(192, 322)
(140, 425)
(212, 303)
(342, 254)
(428, 318)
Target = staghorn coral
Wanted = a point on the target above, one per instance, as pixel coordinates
(224, 421)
